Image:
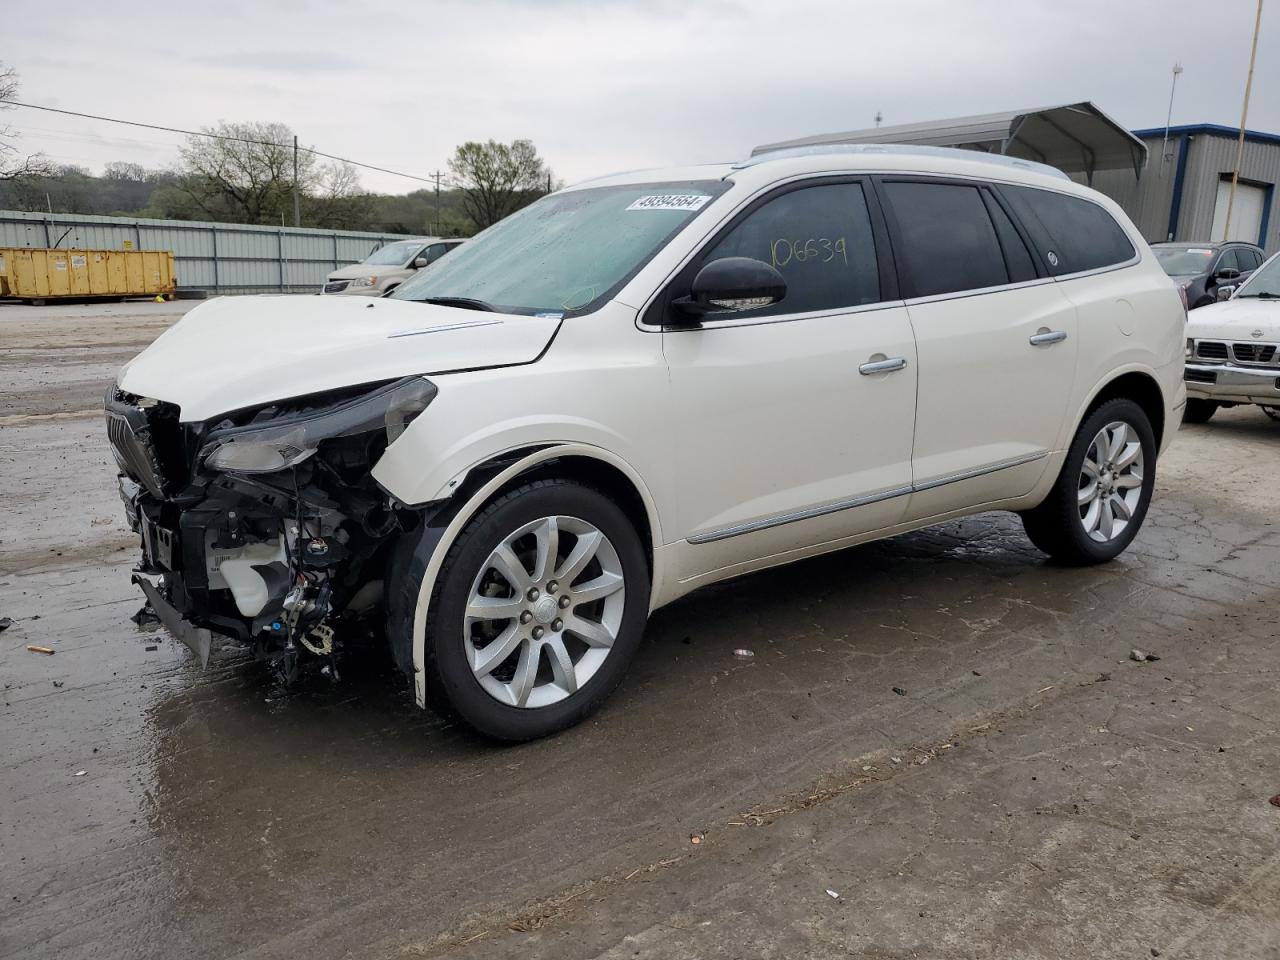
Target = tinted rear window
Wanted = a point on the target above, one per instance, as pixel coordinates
(1078, 233)
(945, 241)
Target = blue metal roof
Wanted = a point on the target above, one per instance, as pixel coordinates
(1213, 129)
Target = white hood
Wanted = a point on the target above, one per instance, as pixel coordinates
(236, 352)
(1236, 320)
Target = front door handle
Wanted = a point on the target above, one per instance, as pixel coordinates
(882, 366)
(1044, 336)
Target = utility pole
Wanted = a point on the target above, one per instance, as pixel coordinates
(879, 117)
(1168, 120)
(297, 211)
(435, 227)
(1244, 118)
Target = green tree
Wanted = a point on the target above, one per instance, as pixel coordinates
(497, 179)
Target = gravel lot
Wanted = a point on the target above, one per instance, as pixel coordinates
(1035, 793)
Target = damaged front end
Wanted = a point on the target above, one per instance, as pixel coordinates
(264, 525)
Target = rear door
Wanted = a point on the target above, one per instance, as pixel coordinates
(792, 424)
(996, 343)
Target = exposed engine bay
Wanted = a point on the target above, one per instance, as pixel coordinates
(265, 525)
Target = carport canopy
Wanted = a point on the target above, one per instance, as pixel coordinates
(1075, 138)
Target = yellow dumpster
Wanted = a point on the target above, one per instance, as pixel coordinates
(36, 275)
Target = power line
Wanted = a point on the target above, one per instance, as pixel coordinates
(216, 136)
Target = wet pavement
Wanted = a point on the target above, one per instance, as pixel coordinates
(1032, 793)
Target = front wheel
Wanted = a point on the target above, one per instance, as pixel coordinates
(1101, 496)
(1199, 411)
(539, 606)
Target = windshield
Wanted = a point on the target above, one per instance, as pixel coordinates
(566, 253)
(1265, 282)
(1184, 261)
(394, 254)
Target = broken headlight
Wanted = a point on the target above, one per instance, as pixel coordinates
(288, 439)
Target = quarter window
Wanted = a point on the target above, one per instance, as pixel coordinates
(1079, 234)
(820, 240)
(945, 241)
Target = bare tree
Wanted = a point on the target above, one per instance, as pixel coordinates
(497, 179)
(13, 165)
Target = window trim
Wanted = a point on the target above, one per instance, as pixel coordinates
(656, 314)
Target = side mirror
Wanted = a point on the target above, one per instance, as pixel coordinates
(1227, 273)
(420, 262)
(1225, 291)
(732, 284)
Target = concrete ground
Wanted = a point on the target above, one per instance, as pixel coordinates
(1033, 792)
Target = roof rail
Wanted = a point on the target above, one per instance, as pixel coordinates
(902, 150)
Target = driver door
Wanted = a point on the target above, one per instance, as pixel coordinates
(792, 425)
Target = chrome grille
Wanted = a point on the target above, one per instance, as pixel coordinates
(336, 286)
(1254, 352)
(129, 434)
(1211, 350)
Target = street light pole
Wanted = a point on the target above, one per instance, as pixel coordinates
(1168, 120)
(297, 213)
(1244, 118)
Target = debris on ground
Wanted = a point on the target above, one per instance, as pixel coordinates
(899, 691)
(1275, 801)
(742, 653)
(57, 683)
(1142, 656)
(80, 773)
(895, 759)
(832, 894)
(36, 648)
(151, 648)
(5, 623)
(146, 617)
(697, 837)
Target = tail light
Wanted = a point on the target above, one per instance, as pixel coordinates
(1182, 295)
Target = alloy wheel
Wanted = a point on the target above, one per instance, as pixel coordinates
(1110, 487)
(544, 612)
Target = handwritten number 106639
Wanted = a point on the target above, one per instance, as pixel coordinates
(819, 249)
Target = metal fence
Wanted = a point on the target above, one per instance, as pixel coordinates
(217, 257)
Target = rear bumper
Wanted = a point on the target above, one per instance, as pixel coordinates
(1231, 383)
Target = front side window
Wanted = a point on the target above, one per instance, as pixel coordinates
(433, 253)
(945, 241)
(566, 253)
(1076, 234)
(1228, 261)
(819, 238)
(1263, 283)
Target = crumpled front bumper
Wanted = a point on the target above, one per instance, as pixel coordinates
(197, 638)
(1232, 383)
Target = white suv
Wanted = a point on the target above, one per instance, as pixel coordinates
(638, 386)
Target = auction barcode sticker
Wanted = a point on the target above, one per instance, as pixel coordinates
(671, 201)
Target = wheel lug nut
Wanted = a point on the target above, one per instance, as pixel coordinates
(532, 594)
(564, 601)
(526, 616)
(552, 587)
(538, 632)
(557, 624)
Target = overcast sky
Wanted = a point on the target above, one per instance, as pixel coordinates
(612, 84)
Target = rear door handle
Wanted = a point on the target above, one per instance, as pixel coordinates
(882, 366)
(1044, 337)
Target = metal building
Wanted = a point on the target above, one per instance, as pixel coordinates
(1182, 193)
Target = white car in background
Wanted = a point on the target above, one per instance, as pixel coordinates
(638, 386)
(1233, 349)
(388, 267)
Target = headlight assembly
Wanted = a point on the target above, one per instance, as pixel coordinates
(289, 439)
(364, 282)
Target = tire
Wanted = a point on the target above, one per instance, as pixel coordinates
(1199, 411)
(486, 698)
(1058, 525)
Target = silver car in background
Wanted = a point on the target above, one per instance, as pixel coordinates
(388, 266)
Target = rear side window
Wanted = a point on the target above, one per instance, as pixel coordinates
(945, 241)
(1074, 234)
(820, 240)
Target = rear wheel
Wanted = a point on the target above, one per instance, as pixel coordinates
(1199, 411)
(1100, 499)
(538, 608)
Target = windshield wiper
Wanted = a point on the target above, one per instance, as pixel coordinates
(1260, 295)
(465, 303)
